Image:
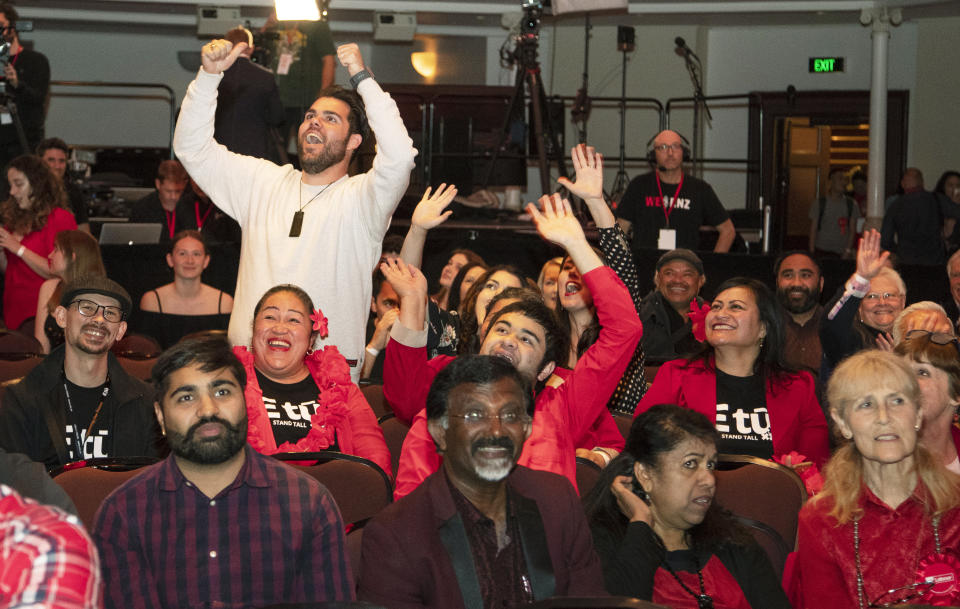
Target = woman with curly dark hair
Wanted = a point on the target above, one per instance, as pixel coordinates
(657, 530)
(32, 216)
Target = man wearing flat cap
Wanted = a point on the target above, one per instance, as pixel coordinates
(79, 403)
(667, 331)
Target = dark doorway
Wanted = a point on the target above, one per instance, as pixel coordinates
(804, 134)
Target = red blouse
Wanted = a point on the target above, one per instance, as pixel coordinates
(21, 284)
(892, 543)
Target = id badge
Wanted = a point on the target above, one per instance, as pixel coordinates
(283, 66)
(667, 239)
(5, 117)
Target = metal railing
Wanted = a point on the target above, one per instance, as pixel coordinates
(171, 97)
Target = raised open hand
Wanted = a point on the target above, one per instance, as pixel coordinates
(429, 212)
(588, 164)
(556, 223)
(407, 280)
(870, 258)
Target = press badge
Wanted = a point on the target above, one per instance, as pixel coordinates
(667, 239)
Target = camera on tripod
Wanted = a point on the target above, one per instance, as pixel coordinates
(532, 11)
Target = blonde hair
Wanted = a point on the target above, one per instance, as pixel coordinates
(856, 376)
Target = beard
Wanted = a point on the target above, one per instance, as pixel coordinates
(212, 451)
(332, 153)
(497, 469)
(100, 349)
(791, 304)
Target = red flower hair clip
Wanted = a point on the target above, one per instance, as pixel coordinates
(320, 323)
(698, 317)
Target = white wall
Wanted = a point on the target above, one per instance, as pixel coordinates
(743, 59)
(935, 102)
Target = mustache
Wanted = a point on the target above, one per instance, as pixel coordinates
(501, 442)
(211, 419)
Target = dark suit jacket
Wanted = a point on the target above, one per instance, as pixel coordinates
(248, 105)
(416, 553)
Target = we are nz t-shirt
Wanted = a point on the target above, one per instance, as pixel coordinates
(290, 407)
(742, 418)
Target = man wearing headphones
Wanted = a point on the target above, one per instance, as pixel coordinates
(666, 208)
(26, 76)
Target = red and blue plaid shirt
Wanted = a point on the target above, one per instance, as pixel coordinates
(46, 558)
(274, 535)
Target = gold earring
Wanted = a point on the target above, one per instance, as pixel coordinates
(761, 342)
(848, 435)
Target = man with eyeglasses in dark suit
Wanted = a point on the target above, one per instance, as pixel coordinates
(666, 208)
(79, 403)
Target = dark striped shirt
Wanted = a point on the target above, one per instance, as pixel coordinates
(274, 535)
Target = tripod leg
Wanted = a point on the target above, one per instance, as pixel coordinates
(505, 128)
(536, 102)
(547, 133)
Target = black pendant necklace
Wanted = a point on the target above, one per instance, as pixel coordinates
(297, 224)
(704, 600)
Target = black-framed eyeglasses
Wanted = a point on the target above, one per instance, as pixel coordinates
(899, 596)
(475, 418)
(665, 147)
(88, 308)
(937, 338)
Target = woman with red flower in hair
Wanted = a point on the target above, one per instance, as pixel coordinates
(740, 381)
(300, 399)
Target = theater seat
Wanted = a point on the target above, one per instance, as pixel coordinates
(137, 346)
(767, 497)
(358, 485)
(374, 395)
(602, 602)
(394, 432)
(588, 473)
(89, 485)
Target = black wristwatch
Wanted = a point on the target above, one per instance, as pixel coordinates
(359, 77)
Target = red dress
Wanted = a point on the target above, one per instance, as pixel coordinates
(21, 285)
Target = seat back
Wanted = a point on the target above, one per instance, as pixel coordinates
(603, 602)
(18, 345)
(89, 484)
(358, 485)
(12, 371)
(587, 474)
(137, 346)
(138, 368)
(374, 395)
(394, 432)
(764, 492)
(624, 423)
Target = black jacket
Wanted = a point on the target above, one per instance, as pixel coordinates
(658, 343)
(127, 415)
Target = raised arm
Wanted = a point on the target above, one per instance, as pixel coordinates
(585, 393)
(557, 224)
(428, 214)
(406, 372)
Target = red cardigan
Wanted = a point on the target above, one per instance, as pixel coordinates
(351, 420)
(796, 419)
(563, 414)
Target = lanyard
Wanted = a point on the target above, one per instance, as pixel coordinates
(196, 212)
(78, 439)
(171, 221)
(668, 208)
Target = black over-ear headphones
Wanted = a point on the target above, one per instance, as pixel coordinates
(652, 154)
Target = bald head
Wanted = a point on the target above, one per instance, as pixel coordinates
(668, 147)
(912, 179)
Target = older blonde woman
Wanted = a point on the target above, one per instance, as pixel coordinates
(866, 308)
(884, 528)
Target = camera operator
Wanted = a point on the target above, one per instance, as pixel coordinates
(26, 75)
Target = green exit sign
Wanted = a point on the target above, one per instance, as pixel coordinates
(826, 64)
